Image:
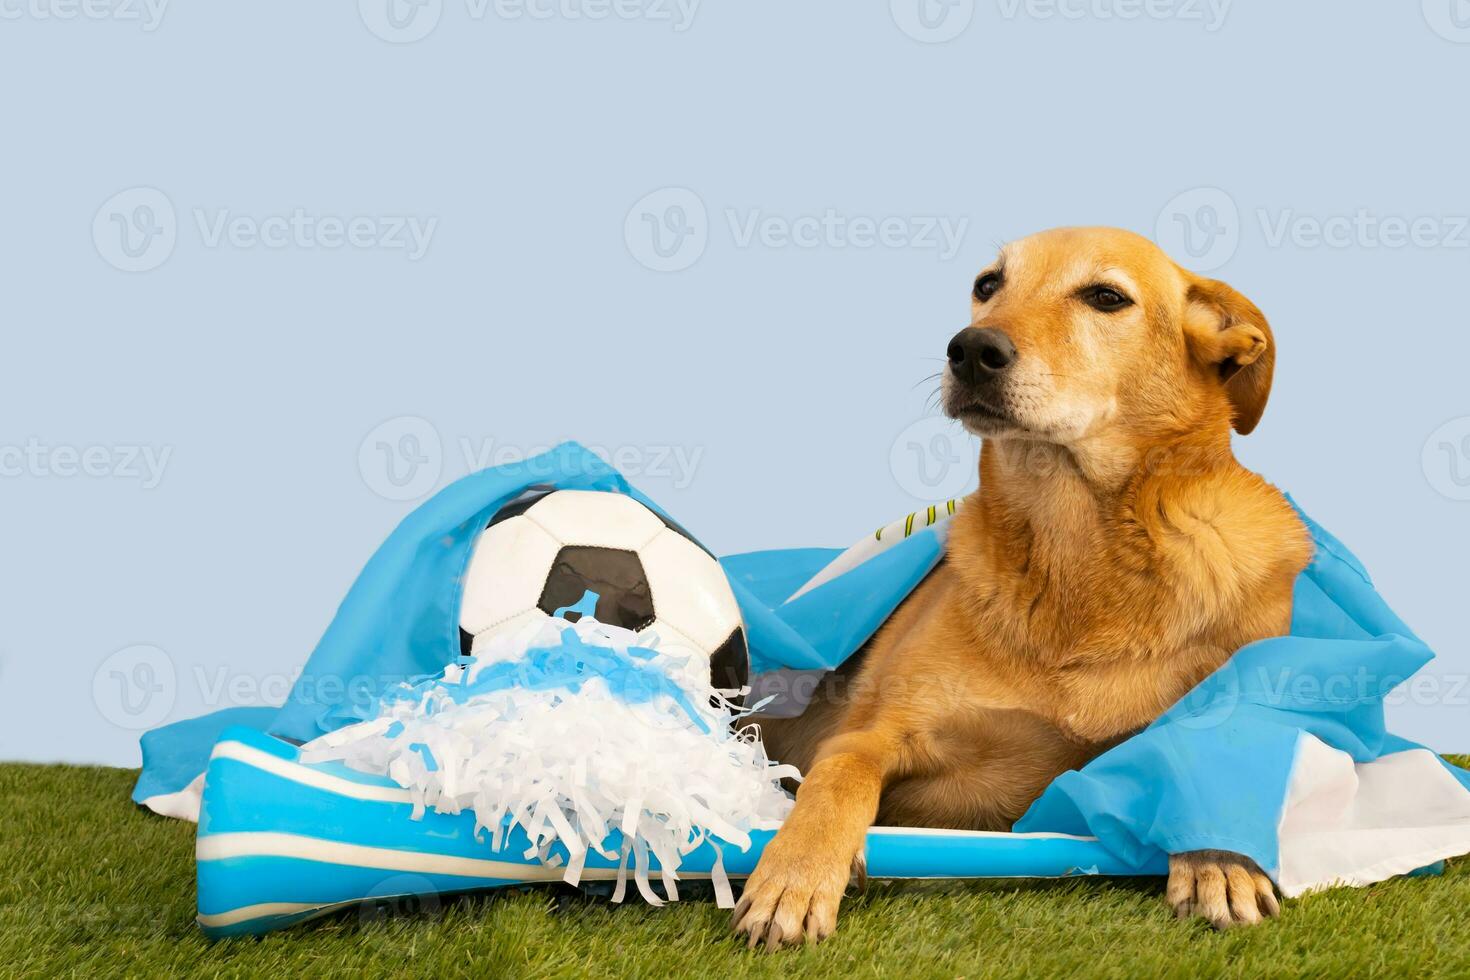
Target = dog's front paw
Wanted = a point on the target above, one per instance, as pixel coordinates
(1226, 888)
(793, 894)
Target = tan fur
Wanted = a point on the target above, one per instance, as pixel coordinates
(1114, 555)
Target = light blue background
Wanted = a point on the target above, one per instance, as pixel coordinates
(788, 372)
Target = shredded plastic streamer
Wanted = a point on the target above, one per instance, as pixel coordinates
(573, 731)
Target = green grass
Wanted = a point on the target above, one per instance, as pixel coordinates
(93, 886)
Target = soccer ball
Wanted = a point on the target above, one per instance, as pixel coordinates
(543, 551)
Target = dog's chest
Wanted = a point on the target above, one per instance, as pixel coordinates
(1050, 607)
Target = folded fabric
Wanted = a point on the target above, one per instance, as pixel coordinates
(1282, 754)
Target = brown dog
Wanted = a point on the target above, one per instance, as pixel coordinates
(1114, 555)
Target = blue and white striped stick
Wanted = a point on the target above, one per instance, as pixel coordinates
(281, 841)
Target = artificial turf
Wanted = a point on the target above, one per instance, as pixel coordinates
(93, 886)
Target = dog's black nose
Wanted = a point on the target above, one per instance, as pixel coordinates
(978, 353)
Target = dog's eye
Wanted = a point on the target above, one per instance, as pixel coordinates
(1106, 298)
(987, 286)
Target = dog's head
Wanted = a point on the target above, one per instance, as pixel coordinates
(1086, 333)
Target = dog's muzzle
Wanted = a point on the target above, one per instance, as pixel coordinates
(979, 360)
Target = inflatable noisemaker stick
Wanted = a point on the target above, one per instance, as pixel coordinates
(562, 752)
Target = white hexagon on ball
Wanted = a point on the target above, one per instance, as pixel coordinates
(595, 519)
(497, 591)
(690, 592)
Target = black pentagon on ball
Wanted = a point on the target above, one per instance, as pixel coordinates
(624, 597)
(729, 665)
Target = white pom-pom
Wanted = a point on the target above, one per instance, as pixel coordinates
(572, 730)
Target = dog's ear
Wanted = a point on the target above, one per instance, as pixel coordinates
(1230, 337)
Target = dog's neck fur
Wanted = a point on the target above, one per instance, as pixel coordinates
(1056, 539)
(1068, 503)
(1095, 570)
